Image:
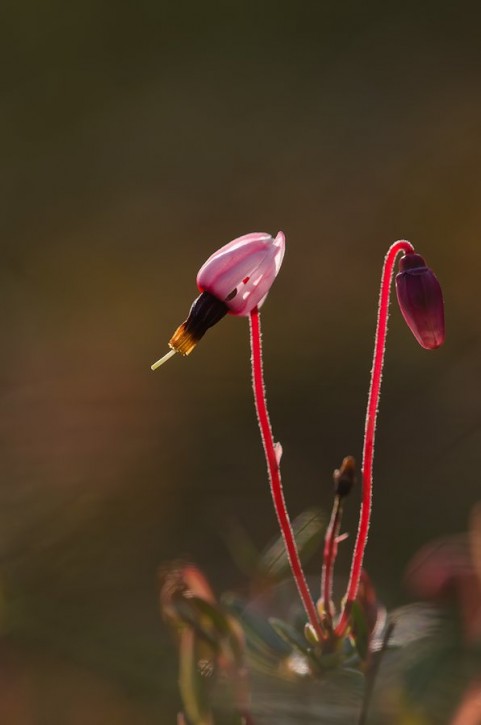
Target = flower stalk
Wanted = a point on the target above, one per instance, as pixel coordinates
(330, 554)
(344, 479)
(370, 429)
(274, 473)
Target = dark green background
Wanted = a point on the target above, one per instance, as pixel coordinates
(135, 139)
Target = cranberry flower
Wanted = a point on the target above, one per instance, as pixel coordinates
(236, 279)
(242, 272)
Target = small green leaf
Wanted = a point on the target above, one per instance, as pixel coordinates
(290, 635)
(264, 645)
(308, 529)
(360, 631)
(222, 627)
(188, 612)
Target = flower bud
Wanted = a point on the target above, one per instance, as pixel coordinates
(421, 300)
(345, 477)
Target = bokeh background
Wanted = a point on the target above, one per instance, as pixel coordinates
(135, 139)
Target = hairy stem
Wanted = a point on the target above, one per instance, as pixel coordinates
(330, 553)
(370, 429)
(274, 473)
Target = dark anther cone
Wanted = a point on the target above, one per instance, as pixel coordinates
(421, 300)
(205, 312)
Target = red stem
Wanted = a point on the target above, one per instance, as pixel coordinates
(370, 429)
(274, 473)
(330, 553)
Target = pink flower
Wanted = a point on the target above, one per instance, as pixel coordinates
(241, 273)
(421, 300)
(235, 279)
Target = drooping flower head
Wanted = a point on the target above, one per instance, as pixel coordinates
(235, 279)
(421, 300)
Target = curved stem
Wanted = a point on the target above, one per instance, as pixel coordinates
(274, 473)
(370, 429)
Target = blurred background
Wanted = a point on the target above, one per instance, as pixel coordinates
(136, 138)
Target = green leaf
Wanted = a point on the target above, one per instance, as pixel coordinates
(187, 610)
(360, 631)
(308, 530)
(264, 645)
(222, 627)
(290, 635)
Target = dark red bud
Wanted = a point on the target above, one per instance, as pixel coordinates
(421, 300)
(345, 477)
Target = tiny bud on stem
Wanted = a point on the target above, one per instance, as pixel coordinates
(345, 477)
